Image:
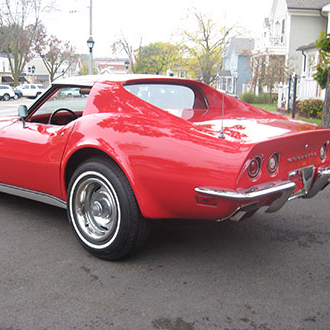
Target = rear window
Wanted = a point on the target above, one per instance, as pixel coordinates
(164, 96)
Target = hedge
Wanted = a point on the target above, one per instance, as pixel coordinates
(311, 108)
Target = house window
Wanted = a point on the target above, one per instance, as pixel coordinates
(225, 84)
(282, 31)
(311, 62)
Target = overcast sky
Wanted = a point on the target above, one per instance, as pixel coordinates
(153, 20)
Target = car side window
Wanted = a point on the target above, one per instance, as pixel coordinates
(62, 107)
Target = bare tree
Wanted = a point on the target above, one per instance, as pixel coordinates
(55, 54)
(268, 70)
(205, 45)
(19, 24)
(123, 45)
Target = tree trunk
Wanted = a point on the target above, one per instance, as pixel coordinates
(270, 93)
(326, 106)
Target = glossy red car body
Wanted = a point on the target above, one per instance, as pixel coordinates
(178, 166)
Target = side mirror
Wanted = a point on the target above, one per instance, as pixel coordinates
(23, 111)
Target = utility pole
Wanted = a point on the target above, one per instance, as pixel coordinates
(90, 17)
(90, 41)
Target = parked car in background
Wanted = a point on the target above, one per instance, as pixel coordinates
(143, 147)
(6, 92)
(73, 92)
(31, 90)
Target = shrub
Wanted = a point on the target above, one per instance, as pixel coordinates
(275, 99)
(255, 99)
(263, 99)
(311, 108)
(248, 97)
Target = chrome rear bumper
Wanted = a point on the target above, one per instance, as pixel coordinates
(322, 180)
(278, 193)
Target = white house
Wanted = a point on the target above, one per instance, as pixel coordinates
(290, 31)
(291, 24)
(308, 87)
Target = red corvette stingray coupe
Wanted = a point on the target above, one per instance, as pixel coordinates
(127, 148)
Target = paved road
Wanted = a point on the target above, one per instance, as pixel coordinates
(10, 107)
(269, 272)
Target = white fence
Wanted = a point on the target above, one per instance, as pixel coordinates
(307, 88)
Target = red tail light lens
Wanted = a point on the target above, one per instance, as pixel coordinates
(254, 167)
(273, 163)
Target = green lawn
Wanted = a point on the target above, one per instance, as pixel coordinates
(272, 108)
(267, 107)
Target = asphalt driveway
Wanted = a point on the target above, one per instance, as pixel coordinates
(269, 272)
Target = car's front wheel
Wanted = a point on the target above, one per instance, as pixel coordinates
(6, 97)
(103, 210)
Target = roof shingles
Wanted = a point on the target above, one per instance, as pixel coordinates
(241, 46)
(307, 4)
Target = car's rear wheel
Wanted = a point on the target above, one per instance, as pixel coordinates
(103, 210)
(6, 97)
(15, 97)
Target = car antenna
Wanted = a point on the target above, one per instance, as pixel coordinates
(222, 134)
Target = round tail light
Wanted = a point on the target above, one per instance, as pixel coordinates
(254, 167)
(273, 163)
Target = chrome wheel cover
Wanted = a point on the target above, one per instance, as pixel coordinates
(94, 209)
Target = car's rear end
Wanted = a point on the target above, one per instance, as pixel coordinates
(293, 165)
